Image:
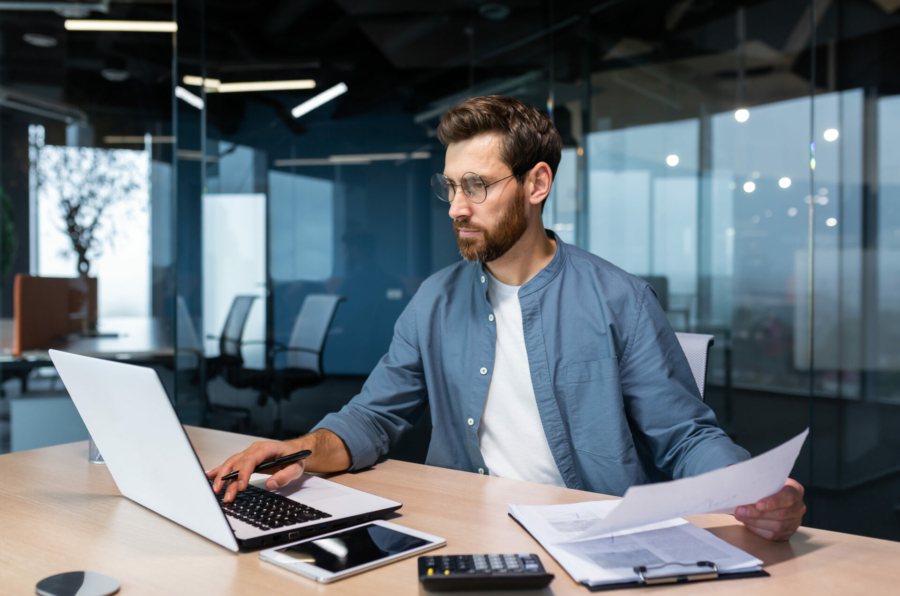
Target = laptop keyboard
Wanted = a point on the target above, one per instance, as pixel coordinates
(266, 511)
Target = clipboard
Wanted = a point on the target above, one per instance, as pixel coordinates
(656, 575)
(676, 573)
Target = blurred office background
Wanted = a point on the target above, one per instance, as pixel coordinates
(741, 156)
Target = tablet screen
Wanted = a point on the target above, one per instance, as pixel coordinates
(352, 548)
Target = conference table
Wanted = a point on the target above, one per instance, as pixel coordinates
(59, 513)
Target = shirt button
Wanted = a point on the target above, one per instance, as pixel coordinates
(470, 421)
(481, 470)
(483, 370)
(490, 317)
(482, 279)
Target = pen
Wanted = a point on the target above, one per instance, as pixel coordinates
(287, 459)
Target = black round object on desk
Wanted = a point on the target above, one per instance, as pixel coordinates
(78, 583)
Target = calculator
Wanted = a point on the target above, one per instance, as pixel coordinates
(483, 572)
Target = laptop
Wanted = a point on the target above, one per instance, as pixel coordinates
(129, 415)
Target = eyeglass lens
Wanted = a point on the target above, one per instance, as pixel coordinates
(472, 185)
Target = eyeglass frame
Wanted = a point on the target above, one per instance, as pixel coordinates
(468, 198)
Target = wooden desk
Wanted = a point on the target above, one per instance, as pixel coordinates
(58, 513)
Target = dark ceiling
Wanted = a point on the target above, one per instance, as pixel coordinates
(404, 53)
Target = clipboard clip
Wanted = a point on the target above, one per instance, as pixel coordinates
(707, 570)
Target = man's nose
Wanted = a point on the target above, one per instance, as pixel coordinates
(460, 206)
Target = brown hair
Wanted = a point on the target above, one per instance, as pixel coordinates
(528, 137)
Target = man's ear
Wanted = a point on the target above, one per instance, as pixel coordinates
(539, 180)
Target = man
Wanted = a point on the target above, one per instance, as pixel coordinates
(540, 361)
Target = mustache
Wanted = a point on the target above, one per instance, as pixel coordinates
(459, 224)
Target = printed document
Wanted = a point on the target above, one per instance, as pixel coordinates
(719, 491)
(611, 559)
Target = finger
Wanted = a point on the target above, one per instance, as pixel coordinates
(231, 490)
(285, 475)
(212, 473)
(777, 526)
(224, 470)
(786, 497)
(770, 535)
(746, 513)
(257, 454)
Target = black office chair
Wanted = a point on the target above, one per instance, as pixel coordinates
(303, 356)
(230, 357)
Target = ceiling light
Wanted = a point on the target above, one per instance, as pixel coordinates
(784, 182)
(357, 159)
(198, 81)
(742, 115)
(831, 222)
(115, 75)
(792, 212)
(672, 160)
(264, 86)
(182, 93)
(318, 100)
(831, 134)
(131, 26)
(494, 11)
(749, 186)
(39, 41)
(137, 139)
(217, 86)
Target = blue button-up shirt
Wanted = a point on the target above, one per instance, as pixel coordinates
(615, 393)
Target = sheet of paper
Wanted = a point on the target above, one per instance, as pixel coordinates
(718, 491)
(611, 559)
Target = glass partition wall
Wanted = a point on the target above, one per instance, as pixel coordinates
(273, 214)
(86, 169)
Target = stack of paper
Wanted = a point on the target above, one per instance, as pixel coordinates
(600, 542)
(611, 558)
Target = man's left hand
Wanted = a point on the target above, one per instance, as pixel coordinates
(776, 517)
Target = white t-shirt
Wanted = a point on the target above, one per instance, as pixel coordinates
(511, 436)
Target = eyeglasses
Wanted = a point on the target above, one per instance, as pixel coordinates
(472, 185)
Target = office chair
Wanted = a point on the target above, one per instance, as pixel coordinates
(303, 356)
(229, 358)
(696, 348)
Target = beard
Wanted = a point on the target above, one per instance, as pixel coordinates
(496, 242)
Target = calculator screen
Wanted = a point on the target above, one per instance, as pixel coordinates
(352, 548)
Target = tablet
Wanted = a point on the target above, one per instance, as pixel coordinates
(337, 555)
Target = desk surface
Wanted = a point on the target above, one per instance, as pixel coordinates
(60, 513)
(137, 337)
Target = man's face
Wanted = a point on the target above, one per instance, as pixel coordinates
(485, 231)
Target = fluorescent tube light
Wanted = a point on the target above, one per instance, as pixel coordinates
(198, 82)
(352, 160)
(265, 86)
(136, 139)
(367, 157)
(217, 86)
(140, 26)
(318, 100)
(182, 93)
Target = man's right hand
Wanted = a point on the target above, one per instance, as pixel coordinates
(247, 460)
(329, 454)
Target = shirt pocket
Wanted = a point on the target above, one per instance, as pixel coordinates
(597, 417)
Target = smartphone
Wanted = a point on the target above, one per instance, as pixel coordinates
(334, 556)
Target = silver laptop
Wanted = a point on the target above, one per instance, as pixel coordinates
(129, 415)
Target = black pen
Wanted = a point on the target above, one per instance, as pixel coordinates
(287, 459)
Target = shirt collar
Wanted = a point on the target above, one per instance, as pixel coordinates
(545, 275)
